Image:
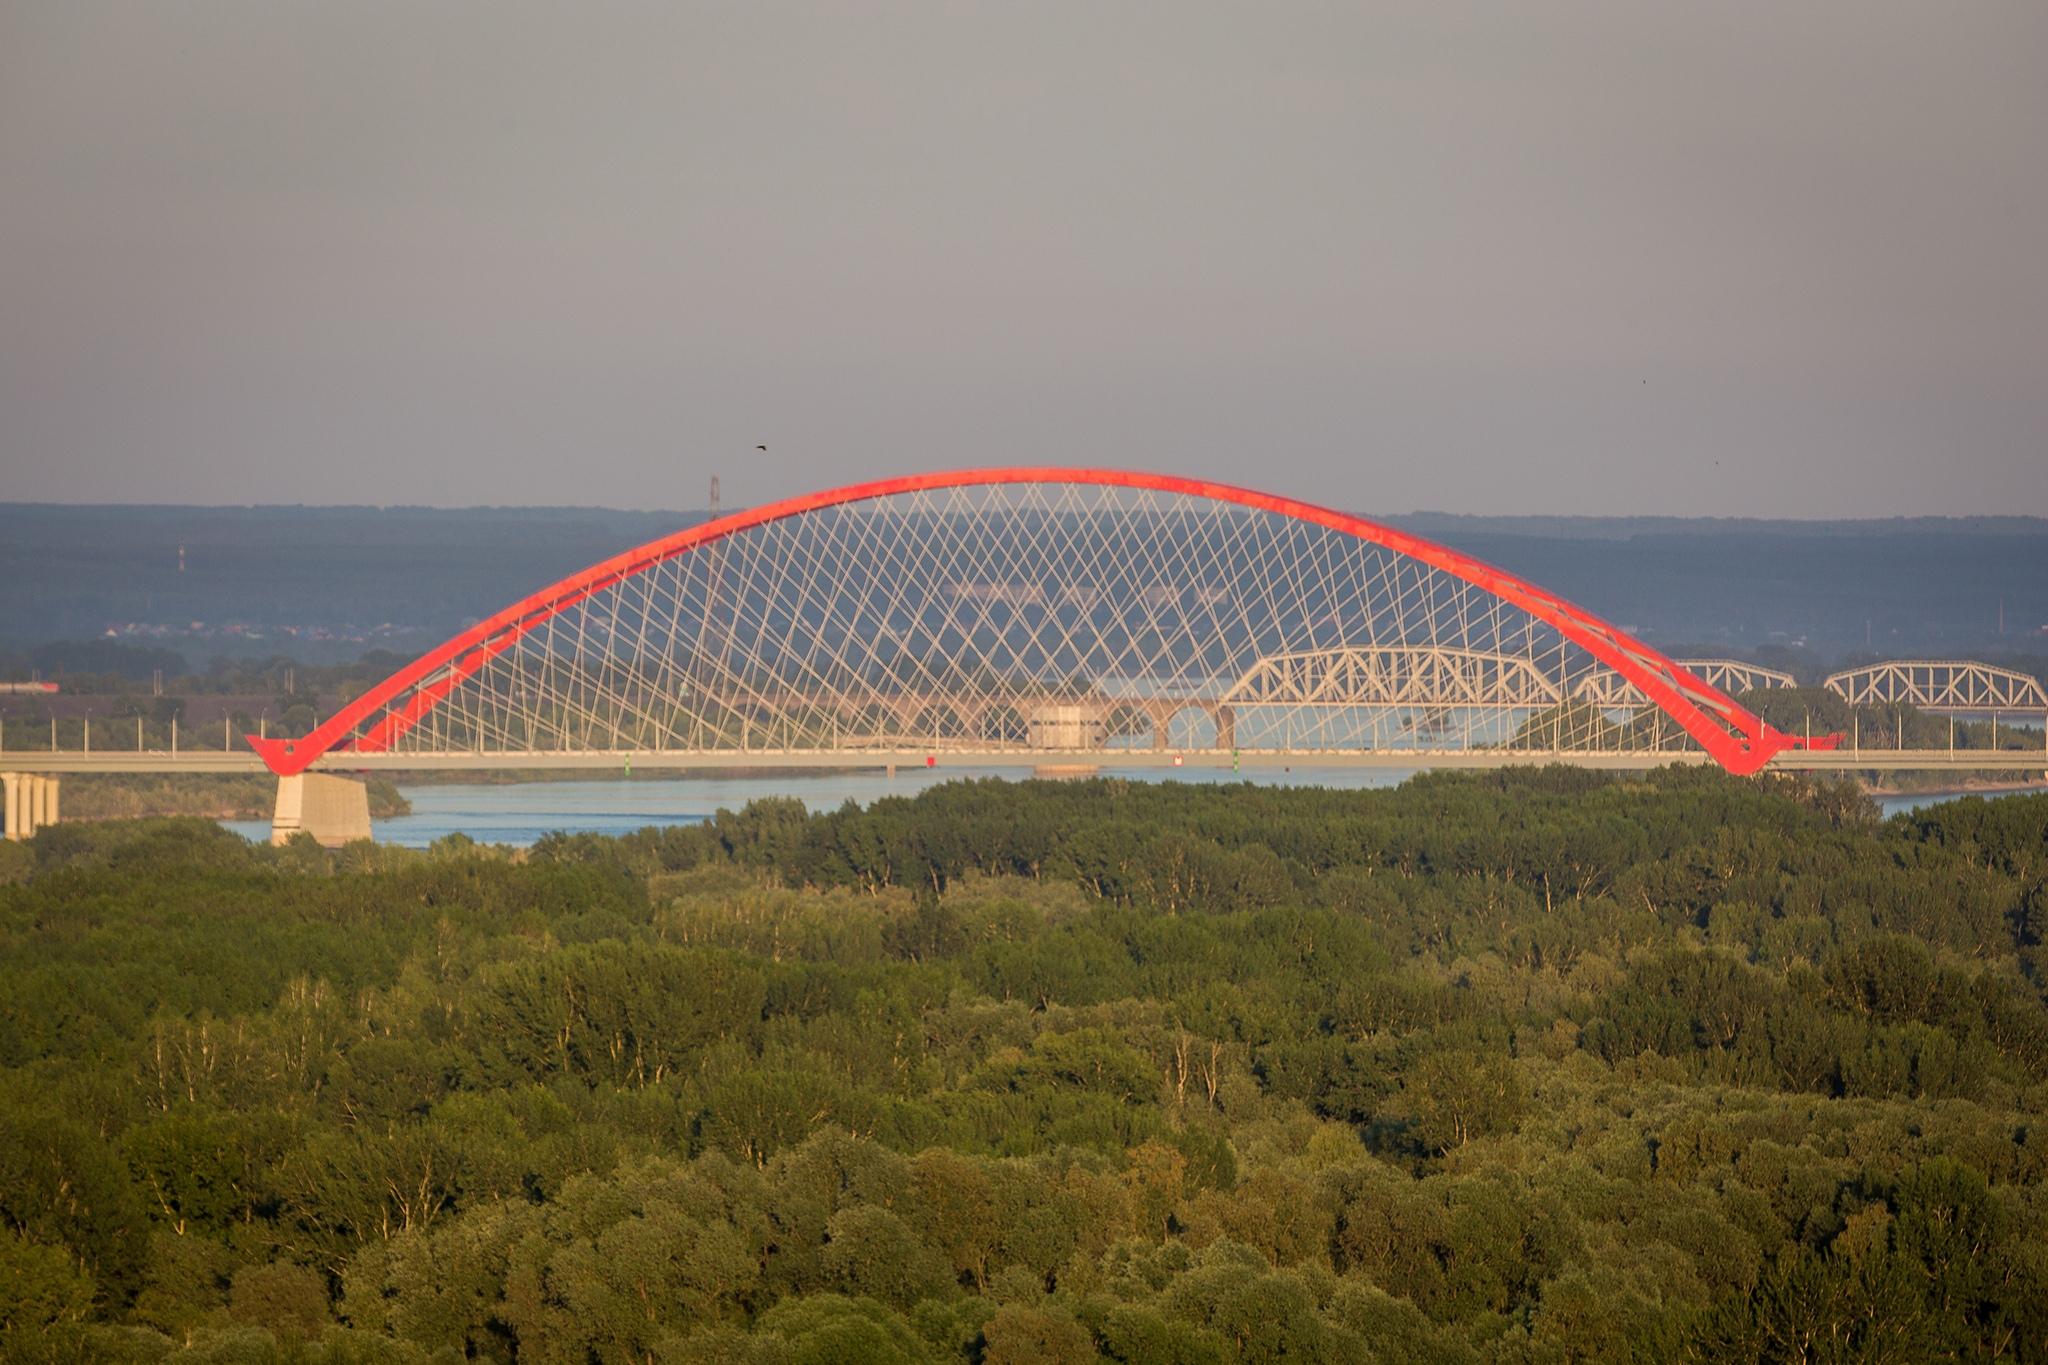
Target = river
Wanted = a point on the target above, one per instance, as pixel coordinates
(520, 812)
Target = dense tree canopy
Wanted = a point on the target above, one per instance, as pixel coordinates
(1534, 1066)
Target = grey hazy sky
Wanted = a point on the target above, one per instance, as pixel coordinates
(1607, 257)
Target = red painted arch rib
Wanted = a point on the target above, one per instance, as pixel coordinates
(1737, 739)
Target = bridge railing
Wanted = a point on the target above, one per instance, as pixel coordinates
(124, 734)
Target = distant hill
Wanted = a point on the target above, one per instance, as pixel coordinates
(328, 583)
(1447, 525)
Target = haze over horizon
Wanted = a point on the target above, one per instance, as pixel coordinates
(1599, 258)
(1993, 522)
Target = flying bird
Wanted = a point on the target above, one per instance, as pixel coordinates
(760, 447)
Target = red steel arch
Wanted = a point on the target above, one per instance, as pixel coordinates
(1734, 737)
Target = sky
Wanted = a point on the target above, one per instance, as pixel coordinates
(1598, 256)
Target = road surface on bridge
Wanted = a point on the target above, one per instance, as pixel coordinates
(1792, 760)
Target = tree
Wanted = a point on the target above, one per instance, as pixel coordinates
(60, 1186)
(1454, 1097)
(288, 1300)
(1019, 1334)
(41, 1289)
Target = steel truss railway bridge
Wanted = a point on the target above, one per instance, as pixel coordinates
(1050, 618)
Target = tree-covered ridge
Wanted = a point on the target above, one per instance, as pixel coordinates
(1527, 1066)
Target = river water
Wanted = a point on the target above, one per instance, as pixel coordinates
(520, 812)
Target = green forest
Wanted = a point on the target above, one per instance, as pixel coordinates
(1529, 1066)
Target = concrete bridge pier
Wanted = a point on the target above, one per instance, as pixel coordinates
(30, 803)
(1160, 714)
(334, 810)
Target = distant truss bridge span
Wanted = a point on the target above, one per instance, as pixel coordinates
(1429, 676)
(1942, 686)
(1732, 676)
(1013, 612)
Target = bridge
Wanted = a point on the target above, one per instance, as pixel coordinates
(1732, 676)
(1954, 687)
(1061, 618)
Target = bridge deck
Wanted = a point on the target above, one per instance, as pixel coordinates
(215, 761)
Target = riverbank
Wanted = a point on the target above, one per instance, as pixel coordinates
(1891, 786)
(1949, 784)
(211, 796)
(517, 814)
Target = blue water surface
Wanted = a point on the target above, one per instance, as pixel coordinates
(519, 813)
